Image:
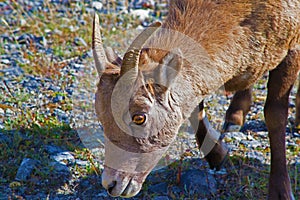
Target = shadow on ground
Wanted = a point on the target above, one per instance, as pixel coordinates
(57, 166)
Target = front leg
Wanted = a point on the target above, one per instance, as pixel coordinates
(208, 139)
(239, 107)
(297, 118)
(280, 83)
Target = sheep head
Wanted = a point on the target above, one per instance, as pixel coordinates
(136, 108)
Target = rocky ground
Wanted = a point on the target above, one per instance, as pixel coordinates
(51, 143)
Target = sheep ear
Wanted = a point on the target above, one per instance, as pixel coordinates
(113, 57)
(167, 72)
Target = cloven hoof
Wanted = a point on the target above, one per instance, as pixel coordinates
(218, 157)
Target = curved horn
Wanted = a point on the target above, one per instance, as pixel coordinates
(98, 50)
(131, 57)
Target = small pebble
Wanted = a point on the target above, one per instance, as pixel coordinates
(97, 5)
(16, 54)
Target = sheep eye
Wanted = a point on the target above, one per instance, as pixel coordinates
(139, 119)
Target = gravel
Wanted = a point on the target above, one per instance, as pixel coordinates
(75, 84)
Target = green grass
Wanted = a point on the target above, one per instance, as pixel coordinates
(60, 32)
(245, 180)
(41, 129)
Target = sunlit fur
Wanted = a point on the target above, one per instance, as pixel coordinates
(241, 39)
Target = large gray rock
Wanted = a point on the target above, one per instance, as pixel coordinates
(26, 168)
(198, 181)
(52, 149)
(160, 188)
(161, 198)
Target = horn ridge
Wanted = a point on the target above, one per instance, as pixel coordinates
(97, 46)
(131, 57)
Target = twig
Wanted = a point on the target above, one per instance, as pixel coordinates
(11, 31)
(68, 60)
(22, 10)
(50, 10)
(296, 178)
(8, 89)
(33, 19)
(254, 168)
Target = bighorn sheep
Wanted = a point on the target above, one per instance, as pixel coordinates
(142, 100)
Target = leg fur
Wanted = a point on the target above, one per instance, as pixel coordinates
(208, 139)
(276, 112)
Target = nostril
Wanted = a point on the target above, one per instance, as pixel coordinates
(111, 186)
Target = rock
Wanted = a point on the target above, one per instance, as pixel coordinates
(197, 180)
(256, 155)
(160, 188)
(254, 125)
(17, 54)
(60, 168)
(61, 115)
(103, 195)
(57, 99)
(233, 128)
(69, 91)
(64, 158)
(6, 38)
(23, 22)
(80, 41)
(54, 88)
(5, 61)
(236, 135)
(137, 4)
(97, 5)
(73, 28)
(81, 162)
(2, 112)
(4, 139)
(26, 168)
(51, 149)
(78, 66)
(296, 134)
(161, 198)
(84, 183)
(82, 22)
(26, 39)
(9, 112)
(91, 136)
(262, 134)
(141, 14)
(16, 71)
(57, 31)
(251, 144)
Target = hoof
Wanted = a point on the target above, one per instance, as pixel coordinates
(218, 156)
(231, 127)
(219, 166)
(296, 131)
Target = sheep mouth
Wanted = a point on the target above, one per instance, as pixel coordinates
(127, 190)
(130, 190)
(122, 184)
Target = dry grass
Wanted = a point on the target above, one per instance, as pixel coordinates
(246, 179)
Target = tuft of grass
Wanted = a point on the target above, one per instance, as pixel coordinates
(59, 34)
(92, 167)
(32, 129)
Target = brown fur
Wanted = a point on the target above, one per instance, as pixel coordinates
(263, 31)
(220, 42)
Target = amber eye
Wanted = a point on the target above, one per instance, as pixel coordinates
(139, 119)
